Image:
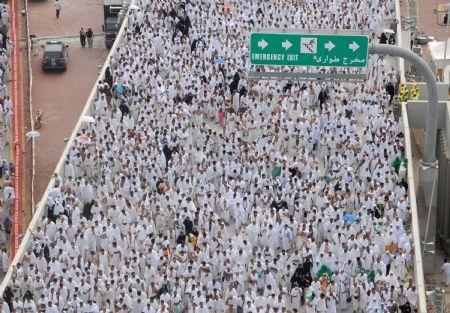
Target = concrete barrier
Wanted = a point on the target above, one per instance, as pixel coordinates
(419, 280)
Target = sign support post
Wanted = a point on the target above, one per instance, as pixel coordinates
(429, 157)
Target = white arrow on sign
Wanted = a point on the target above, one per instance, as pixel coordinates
(329, 45)
(286, 44)
(353, 46)
(262, 44)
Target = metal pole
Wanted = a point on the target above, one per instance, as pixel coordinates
(446, 35)
(429, 157)
(425, 244)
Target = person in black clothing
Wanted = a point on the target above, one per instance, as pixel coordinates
(307, 280)
(194, 45)
(108, 76)
(173, 14)
(278, 203)
(242, 91)
(164, 289)
(28, 295)
(187, 22)
(307, 266)
(323, 96)
(195, 232)
(391, 39)
(188, 98)
(167, 153)
(50, 208)
(299, 269)
(124, 108)
(235, 83)
(137, 28)
(90, 37)
(383, 38)
(404, 184)
(287, 87)
(183, 26)
(390, 89)
(337, 186)
(188, 225)
(8, 296)
(181, 239)
(87, 210)
(4, 40)
(296, 279)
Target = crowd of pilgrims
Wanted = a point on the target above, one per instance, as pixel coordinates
(196, 190)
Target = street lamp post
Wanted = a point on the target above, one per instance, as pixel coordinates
(446, 33)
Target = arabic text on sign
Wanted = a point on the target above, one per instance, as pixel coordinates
(327, 60)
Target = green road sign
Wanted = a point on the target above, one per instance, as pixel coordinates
(308, 50)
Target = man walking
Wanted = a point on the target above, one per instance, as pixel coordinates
(57, 8)
(82, 37)
(90, 37)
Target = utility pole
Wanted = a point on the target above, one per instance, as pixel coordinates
(446, 33)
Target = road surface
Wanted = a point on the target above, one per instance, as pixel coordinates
(62, 96)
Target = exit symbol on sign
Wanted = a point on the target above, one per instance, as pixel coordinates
(308, 45)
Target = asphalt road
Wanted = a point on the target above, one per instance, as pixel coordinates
(62, 96)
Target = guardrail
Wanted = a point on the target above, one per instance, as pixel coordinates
(419, 280)
(40, 210)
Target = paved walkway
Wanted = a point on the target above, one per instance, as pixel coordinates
(74, 14)
(428, 20)
(62, 96)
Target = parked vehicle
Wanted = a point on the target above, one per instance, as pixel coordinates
(56, 56)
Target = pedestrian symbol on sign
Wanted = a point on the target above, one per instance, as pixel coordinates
(308, 45)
